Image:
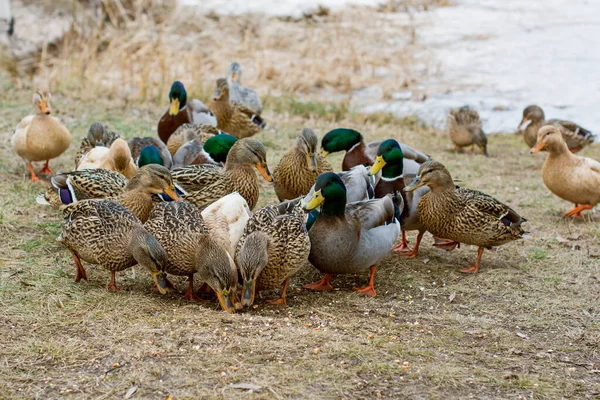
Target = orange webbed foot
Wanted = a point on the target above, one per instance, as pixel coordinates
(323, 285)
(280, 301)
(368, 290)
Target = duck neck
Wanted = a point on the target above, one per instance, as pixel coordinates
(138, 201)
(559, 151)
(222, 109)
(334, 206)
(392, 171)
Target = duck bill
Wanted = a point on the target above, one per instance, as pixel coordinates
(524, 124)
(234, 77)
(324, 153)
(172, 193)
(226, 300)
(313, 162)
(414, 185)
(248, 290)
(538, 146)
(161, 282)
(264, 171)
(312, 200)
(44, 107)
(379, 164)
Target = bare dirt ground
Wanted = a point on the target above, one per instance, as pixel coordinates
(526, 326)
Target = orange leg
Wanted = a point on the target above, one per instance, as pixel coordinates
(80, 273)
(475, 267)
(457, 148)
(576, 149)
(415, 250)
(321, 286)
(34, 177)
(403, 246)
(112, 286)
(445, 244)
(46, 170)
(472, 149)
(282, 296)
(576, 212)
(369, 290)
(190, 295)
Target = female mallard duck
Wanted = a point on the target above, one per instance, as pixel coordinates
(464, 127)
(273, 248)
(463, 215)
(348, 238)
(242, 94)
(40, 137)
(188, 132)
(234, 118)
(359, 152)
(97, 136)
(570, 177)
(206, 184)
(191, 249)
(213, 151)
(118, 159)
(180, 112)
(299, 168)
(104, 232)
(574, 135)
(150, 150)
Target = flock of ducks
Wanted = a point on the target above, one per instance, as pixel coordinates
(183, 203)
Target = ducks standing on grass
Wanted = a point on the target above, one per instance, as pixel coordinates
(464, 127)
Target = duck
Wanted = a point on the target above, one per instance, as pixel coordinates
(206, 184)
(574, 135)
(213, 151)
(298, 169)
(180, 112)
(234, 118)
(359, 152)
(463, 215)
(118, 159)
(105, 233)
(348, 238)
(97, 136)
(226, 219)
(191, 249)
(464, 127)
(273, 247)
(568, 176)
(149, 150)
(242, 94)
(188, 132)
(93, 158)
(40, 137)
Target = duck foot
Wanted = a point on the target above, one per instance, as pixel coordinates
(46, 169)
(368, 290)
(576, 212)
(190, 295)
(34, 177)
(80, 272)
(282, 296)
(112, 286)
(403, 246)
(445, 244)
(475, 267)
(321, 286)
(415, 250)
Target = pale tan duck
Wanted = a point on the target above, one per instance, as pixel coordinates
(118, 158)
(97, 137)
(570, 177)
(464, 127)
(40, 137)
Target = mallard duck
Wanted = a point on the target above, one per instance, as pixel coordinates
(298, 169)
(188, 132)
(359, 152)
(213, 151)
(97, 136)
(273, 248)
(463, 215)
(40, 137)
(464, 127)
(574, 135)
(149, 150)
(348, 238)
(116, 158)
(242, 94)
(570, 177)
(179, 112)
(206, 184)
(106, 233)
(191, 249)
(234, 118)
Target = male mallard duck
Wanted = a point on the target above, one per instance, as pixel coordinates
(206, 184)
(464, 127)
(180, 112)
(297, 171)
(191, 249)
(213, 151)
(40, 137)
(574, 135)
(570, 177)
(348, 238)
(188, 132)
(463, 215)
(150, 150)
(359, 152)
(234, 118)
(242, 94)
(104, 232)
(97, 136)
(273, 247)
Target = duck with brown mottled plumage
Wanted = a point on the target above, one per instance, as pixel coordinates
(464, 127)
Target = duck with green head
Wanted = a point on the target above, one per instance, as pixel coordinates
(213, 151)
(150, 150)
(348, 238)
